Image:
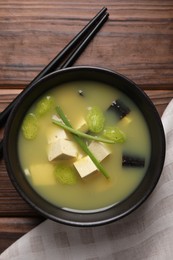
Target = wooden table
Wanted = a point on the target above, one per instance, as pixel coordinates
(136, 41)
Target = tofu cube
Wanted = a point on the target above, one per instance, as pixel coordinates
(55, 133)
(42, 174)
(126, 120)
(62, 149)
(99, 150)
(82, 125)
(85, 166)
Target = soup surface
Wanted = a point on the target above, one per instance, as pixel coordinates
(93, 191)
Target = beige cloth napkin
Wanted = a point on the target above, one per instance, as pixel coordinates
(146, 233)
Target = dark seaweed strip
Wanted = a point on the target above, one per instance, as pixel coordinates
(80, 92)
(119, 108)
(132, 161)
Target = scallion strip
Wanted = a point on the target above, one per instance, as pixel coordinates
(82, 144)
(81, 134)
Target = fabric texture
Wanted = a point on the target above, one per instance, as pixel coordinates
(147, 233)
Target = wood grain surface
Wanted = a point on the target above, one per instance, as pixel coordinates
(136, 41)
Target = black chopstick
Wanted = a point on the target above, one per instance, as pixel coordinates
(88, 32)
(56, 61)
(73, 57)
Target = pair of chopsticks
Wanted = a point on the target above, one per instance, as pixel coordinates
(64, 59)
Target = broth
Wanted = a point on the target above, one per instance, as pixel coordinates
(94, 191)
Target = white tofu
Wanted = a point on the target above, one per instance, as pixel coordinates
(99, 150)
(126, 120)
(62, 149)
(81, 125)
(85, 166)
(27, 172)
(55, 133)
(42, 174)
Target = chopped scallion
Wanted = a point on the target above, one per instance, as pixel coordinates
(82, 144)
(81, 134)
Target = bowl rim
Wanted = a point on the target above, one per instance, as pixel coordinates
(27, 92)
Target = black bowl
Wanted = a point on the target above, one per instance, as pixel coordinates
(157, 146)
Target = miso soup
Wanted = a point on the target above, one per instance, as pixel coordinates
(58, 168)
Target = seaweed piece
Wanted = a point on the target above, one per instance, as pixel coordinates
(132, 161)
(80, 92)
(119, 108)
